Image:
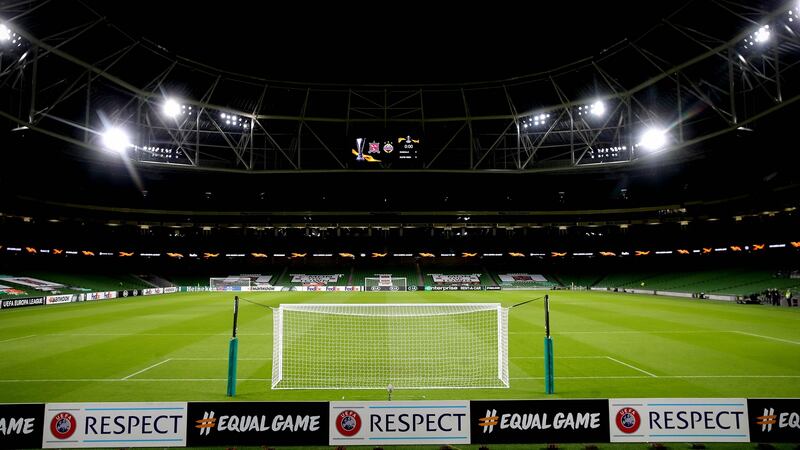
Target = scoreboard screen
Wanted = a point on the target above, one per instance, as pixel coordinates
(386, 151)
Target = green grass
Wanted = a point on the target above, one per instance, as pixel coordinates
(174, 347)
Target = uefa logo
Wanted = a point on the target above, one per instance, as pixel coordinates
(63, 425)
(348, 423)
(628, 420)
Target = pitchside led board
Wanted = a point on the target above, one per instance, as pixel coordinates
(385, 150)
(526, 421)
(399, 423)
(774, 419)
(87, 425)
(257, 423)
(679, 420)
(21, 426)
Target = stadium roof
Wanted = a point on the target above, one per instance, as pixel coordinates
(264, 88)
(386, 42)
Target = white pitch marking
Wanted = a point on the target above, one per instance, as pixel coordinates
(17, 338)
(662, 376)
(157, 334)
(627, 332)
(220, 359)
(147, 368)
(168, 380)
(138, 334)
(632, 367)
(767, 337)
(560, 357)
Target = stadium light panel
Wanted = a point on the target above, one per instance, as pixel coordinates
(116, 139)
(653, 139)
(762, 35)
(598, 108)
(171, 108)
(5, 33)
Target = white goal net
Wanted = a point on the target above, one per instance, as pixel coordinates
(369, 346)
(385, 283)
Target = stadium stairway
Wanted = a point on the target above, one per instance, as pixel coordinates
(154, 280)
(282, 276)
(488, 279)
(557, 280)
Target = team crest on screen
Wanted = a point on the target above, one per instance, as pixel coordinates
(374, 147)
(388, 147)
(63, 425)
(348, 423)
(628, 420)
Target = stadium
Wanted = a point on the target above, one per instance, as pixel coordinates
(295, 226)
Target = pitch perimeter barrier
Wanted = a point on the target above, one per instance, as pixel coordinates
(257, 423)
(534, 421)
(441, 422)
(21, 302)
(84, 297)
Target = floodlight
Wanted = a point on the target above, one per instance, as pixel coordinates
(598, 108)
(5, 33)
(762, 35)
(116, 139)
(653, 139)
(171, 108)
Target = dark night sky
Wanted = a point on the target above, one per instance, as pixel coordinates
(385, 41)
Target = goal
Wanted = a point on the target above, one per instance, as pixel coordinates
(385, 282)
(369, 346)
(229, 283)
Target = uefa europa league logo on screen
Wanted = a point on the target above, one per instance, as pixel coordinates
(360, 148)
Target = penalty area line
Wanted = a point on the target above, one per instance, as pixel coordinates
(119, 380)
(146, 369)
(220, 359)
(181, 380)
(766, 337)
(632, 367)
(642, 377)
(560, 357)
(18, 338)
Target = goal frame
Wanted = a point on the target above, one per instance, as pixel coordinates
(403, 288)
(501, 329)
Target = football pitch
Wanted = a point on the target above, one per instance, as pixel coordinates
(174, 348)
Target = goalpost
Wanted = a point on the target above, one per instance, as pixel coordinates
(370, 346)
(385, 282)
